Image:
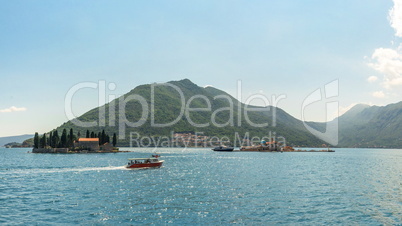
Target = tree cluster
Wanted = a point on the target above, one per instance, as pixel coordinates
(66, 140)
(103, 137)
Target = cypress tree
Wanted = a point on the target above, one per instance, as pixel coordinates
(55, 139)
(114, 140)
(71, 138)
(103, 137)
(68, 140)
(71, 134)
(87, 136)
(100, 138)
(78, 134)
(107, 139)
(51, 139)
(43, 141)
(63, 139)
(36, 140)
(92, 134)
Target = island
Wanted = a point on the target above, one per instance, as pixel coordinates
(73, 143)
(274, 146)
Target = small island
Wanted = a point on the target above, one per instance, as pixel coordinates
(69, 143)
(274, 146)
(24, 144)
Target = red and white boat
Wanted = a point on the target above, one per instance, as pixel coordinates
(144, 162)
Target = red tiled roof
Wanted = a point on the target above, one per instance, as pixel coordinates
(88, 139)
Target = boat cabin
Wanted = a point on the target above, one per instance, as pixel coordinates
(142, 161)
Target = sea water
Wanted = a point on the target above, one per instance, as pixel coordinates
(199, 186)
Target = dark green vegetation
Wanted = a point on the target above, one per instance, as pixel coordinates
(103, 137)
(167, 108)
(66, 140)
(367, 126)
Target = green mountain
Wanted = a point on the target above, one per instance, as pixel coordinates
(17, 139)
(371, 126)
(223, 115)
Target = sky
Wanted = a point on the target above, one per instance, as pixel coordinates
(279, 47)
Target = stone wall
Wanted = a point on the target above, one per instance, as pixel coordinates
(89, 145)
(50, 150)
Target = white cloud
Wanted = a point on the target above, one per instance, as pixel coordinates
(389, 63)
(372, 78)
(12, 109)
(395, 17)
(378, 94)
(208, 86)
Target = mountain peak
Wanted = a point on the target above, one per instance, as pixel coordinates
(184, 82)
(358, 108)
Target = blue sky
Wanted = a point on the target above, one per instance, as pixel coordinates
(274, 47)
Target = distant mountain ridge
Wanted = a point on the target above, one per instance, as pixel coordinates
(17, 139)
(371, 126)
(167, 105)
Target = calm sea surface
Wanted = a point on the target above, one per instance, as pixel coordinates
(199, 186)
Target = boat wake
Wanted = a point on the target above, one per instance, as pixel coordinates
(63, 170)
(107, 168)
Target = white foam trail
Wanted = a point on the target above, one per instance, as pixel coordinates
(92, 169)
(62, 170)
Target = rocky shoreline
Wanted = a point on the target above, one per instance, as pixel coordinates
(69, 151)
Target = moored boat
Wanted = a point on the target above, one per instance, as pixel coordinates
(223, 148)
(144, 163)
